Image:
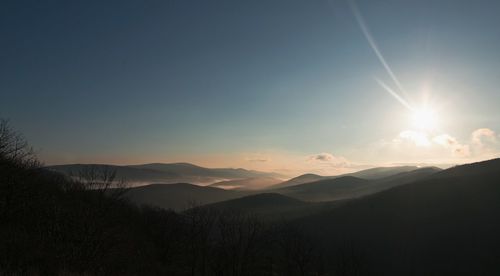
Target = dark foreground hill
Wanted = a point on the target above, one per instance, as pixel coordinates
(448, 224)
(262, 204)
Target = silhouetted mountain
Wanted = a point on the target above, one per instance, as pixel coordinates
(259, 201)
(324, 190)
(471, 169)
(445, 224)
(301, 179)
(254, 183)
(320, 195)
(373, 173)
(345, 187)
(178, 196)
(187, 169)
(381, 172)
(167, 173)
(262, 204)
(392, 181)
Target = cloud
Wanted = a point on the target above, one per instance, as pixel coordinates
(445, 140)
(257, 159)
(421, 145)
(449, 142)
(328, 164)
(461, 151)
(479, 136)
(485, 143)
(322, 157)
(418, 138)
(329, 158)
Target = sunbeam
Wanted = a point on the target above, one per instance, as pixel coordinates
(394, 94)
(373, 45)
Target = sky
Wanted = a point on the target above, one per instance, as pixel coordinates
(282, 85)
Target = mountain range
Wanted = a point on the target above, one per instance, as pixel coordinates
(326, 189)
(381, 221)
(144, 174)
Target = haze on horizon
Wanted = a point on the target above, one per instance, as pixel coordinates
(287, 86)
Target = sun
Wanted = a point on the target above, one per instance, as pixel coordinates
(424, 119)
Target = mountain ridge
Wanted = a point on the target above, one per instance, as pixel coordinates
(167, 173)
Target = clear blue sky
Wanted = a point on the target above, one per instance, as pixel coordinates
(247, 83)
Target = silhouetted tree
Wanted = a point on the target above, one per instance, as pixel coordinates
(14, 148)
(239, 244)
(350, 259)
(298, 252)
(199, 228)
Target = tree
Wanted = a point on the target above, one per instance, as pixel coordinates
(14, 148)
(297, 250)
(239, 244)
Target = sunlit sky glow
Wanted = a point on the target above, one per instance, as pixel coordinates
(287, 86)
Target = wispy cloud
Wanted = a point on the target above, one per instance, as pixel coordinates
(483, 134)
(416, 137)
(328, 158)
(449, 142)
(483, 144)
(257, 159)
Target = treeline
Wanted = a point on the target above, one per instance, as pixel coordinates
(57, 225)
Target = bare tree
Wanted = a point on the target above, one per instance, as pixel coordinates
(350, 259)
(100, 179)
(298, 251)
(15, 156)
(239, 238)
(200, 223)
(14, 148)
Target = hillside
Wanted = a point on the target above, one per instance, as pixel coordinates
(346, 187)
(265, 203)
(382, 172)
(451, 216)
(370, 174)
(254, 183)
(324, 190)
(178, 196)
(301, 179)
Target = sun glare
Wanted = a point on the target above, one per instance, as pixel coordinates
(424, 119)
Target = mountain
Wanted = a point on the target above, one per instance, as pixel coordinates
(187, 169)
(166, 173)
(301, 179)
(382, 172)
(450, 216)
(394, 181)
(373, 173)
(254, 183)
(178, 196)
(261, 204)
(345, 187)
(323, 190)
